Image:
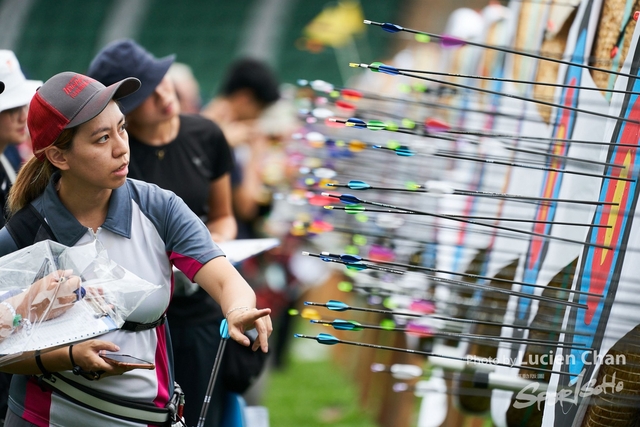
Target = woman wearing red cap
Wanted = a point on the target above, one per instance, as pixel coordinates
(78, 183)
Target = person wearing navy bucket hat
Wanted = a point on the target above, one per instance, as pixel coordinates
(77, 191)
(189, 155)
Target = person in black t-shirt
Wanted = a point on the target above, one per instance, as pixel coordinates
(189, 155)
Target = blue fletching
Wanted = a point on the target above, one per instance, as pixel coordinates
(391, 28)
(357, 266)
(358, 185)
(346, 325)
(337, 305)
(404, 151)
(349, 199)
(224, 329)
(388, 69)
(348, 258)
(327, 259)
(327, 339)
(357, 123)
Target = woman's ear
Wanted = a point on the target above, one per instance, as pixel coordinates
(57, 158)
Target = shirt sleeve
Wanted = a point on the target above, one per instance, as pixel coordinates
(187, 240)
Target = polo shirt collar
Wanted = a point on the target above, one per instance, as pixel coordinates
(66, 227)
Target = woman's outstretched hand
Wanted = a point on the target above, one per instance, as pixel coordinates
(243, 320)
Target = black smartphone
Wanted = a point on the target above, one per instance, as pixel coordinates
(127, 360)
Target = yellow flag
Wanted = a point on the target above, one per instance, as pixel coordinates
(335, 25)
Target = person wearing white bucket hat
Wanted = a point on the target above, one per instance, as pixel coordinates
(17, 92)
(14, 103)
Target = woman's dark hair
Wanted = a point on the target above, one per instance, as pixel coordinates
(254, 75)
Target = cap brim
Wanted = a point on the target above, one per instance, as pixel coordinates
(101, 99)
(20, 95)
(1, 87)
(151, 80)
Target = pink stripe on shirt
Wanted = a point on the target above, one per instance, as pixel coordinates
(37, 404)
(187, 265)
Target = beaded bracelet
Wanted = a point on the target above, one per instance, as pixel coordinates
(236, 308)
(18, 320)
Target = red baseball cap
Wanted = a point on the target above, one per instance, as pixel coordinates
(67, 100)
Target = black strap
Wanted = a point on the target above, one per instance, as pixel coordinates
(137, 327)
(27, 227)
(44, 371)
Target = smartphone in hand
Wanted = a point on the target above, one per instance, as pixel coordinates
(125, 360)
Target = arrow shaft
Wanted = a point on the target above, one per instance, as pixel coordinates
(521, 98)
(430, 354)
(510, 51)
(498, 227)
(469, 275)
(525, 82)
(461, 336)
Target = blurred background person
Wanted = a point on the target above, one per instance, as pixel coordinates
(187, 88)
(13, 120)
(247, 90)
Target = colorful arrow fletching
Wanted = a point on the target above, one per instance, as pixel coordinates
(358, 185)
(337, 305)
(391, 28)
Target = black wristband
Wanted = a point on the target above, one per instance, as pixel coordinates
(77, 370)
(73, 363)
(44, 371)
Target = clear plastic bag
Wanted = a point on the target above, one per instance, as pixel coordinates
(52, 295)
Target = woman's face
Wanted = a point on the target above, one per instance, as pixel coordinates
(13, 126)
(160, 106)
(99, 153)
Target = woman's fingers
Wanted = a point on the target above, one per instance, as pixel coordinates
(264, 328)
(258, 319)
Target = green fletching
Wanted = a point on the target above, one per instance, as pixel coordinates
(345, 286)
(359, 239)
(411, 186)
(392, 126)
(422, 38)
(404, 88)
(387, 324)
(376, 125)
(392, 144)
(356, 266)
(354, 209)
(408, 123)
(374, 66)
(351, 249)
(361, 217)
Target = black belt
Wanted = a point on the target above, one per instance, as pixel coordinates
(137, 327)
